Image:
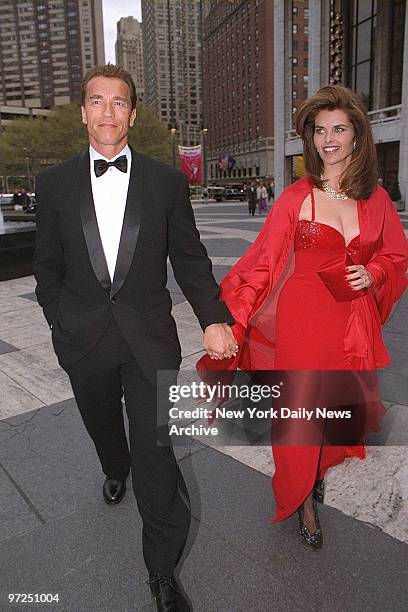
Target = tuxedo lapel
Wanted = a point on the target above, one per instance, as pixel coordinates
(90, 224)
(131, 223)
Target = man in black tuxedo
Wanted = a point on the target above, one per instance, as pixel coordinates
(252, 198)
(107, 220)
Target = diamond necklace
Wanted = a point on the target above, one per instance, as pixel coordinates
(335, 195)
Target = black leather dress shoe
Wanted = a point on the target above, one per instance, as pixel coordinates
(114, 490)
(167, 594)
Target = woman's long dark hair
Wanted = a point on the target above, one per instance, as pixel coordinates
(360, 177)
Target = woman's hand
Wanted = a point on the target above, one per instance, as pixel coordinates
(360, 277)
(219, 341)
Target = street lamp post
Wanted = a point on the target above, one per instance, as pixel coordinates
(27, 159)
(204, 131)
(28, 169)
(173, 132)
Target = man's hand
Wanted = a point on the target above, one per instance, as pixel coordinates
(219, 342)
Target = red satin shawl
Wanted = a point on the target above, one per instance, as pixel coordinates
(251, 288)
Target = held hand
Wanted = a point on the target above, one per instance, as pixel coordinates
(360, 277)
(219, 341)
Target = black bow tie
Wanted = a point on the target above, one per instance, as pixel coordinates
(101, 165)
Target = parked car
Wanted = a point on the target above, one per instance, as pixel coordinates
(6, 200)
(214, 192)
(230, 194)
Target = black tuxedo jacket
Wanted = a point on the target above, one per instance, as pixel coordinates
(252, 195)
(73, 283)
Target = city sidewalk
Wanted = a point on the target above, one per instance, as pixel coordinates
(57, 536)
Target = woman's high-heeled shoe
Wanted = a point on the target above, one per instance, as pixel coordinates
(315, 539)
(318, 491)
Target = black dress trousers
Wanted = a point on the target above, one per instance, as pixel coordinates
(99, 381)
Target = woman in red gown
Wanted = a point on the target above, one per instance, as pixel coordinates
(290, 318)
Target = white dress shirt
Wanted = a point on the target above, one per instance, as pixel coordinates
(109, 196)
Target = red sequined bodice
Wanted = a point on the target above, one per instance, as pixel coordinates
(315, 235)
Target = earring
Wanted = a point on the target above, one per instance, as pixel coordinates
(354, 145)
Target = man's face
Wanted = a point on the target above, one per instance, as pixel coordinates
(107, 113)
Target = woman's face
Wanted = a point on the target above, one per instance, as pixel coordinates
(334, 137)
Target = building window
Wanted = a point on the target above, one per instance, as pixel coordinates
(396, 53)
(363, 22)
(294, 28)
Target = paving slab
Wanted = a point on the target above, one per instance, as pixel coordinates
(226, 246)
(15, 398)
(5, 347)
(238, 504)
(48, 384)
(30, 296)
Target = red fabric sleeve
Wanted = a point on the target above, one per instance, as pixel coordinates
(388, 267)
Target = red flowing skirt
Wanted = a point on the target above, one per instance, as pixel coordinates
(310, 331)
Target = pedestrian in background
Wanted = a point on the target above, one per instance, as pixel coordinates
(17, 199)
(252, 198)
(262, 196)
(25, 199)
(270, 191)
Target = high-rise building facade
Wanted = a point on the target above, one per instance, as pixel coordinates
(238, 61)
(91, 33)
(45, 47)
(299, 57)
(239, 83)
(172, 64)
(363, 45)
(129, 50)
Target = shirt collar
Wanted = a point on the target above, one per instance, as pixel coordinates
(93, 154)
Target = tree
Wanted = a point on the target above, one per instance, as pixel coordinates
(41, 142)
(150, 135)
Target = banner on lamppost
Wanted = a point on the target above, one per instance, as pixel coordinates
(191, 163)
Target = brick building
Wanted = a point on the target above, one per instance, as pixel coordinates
(238, 61)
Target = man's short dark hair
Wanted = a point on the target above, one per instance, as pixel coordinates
(111, 71)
